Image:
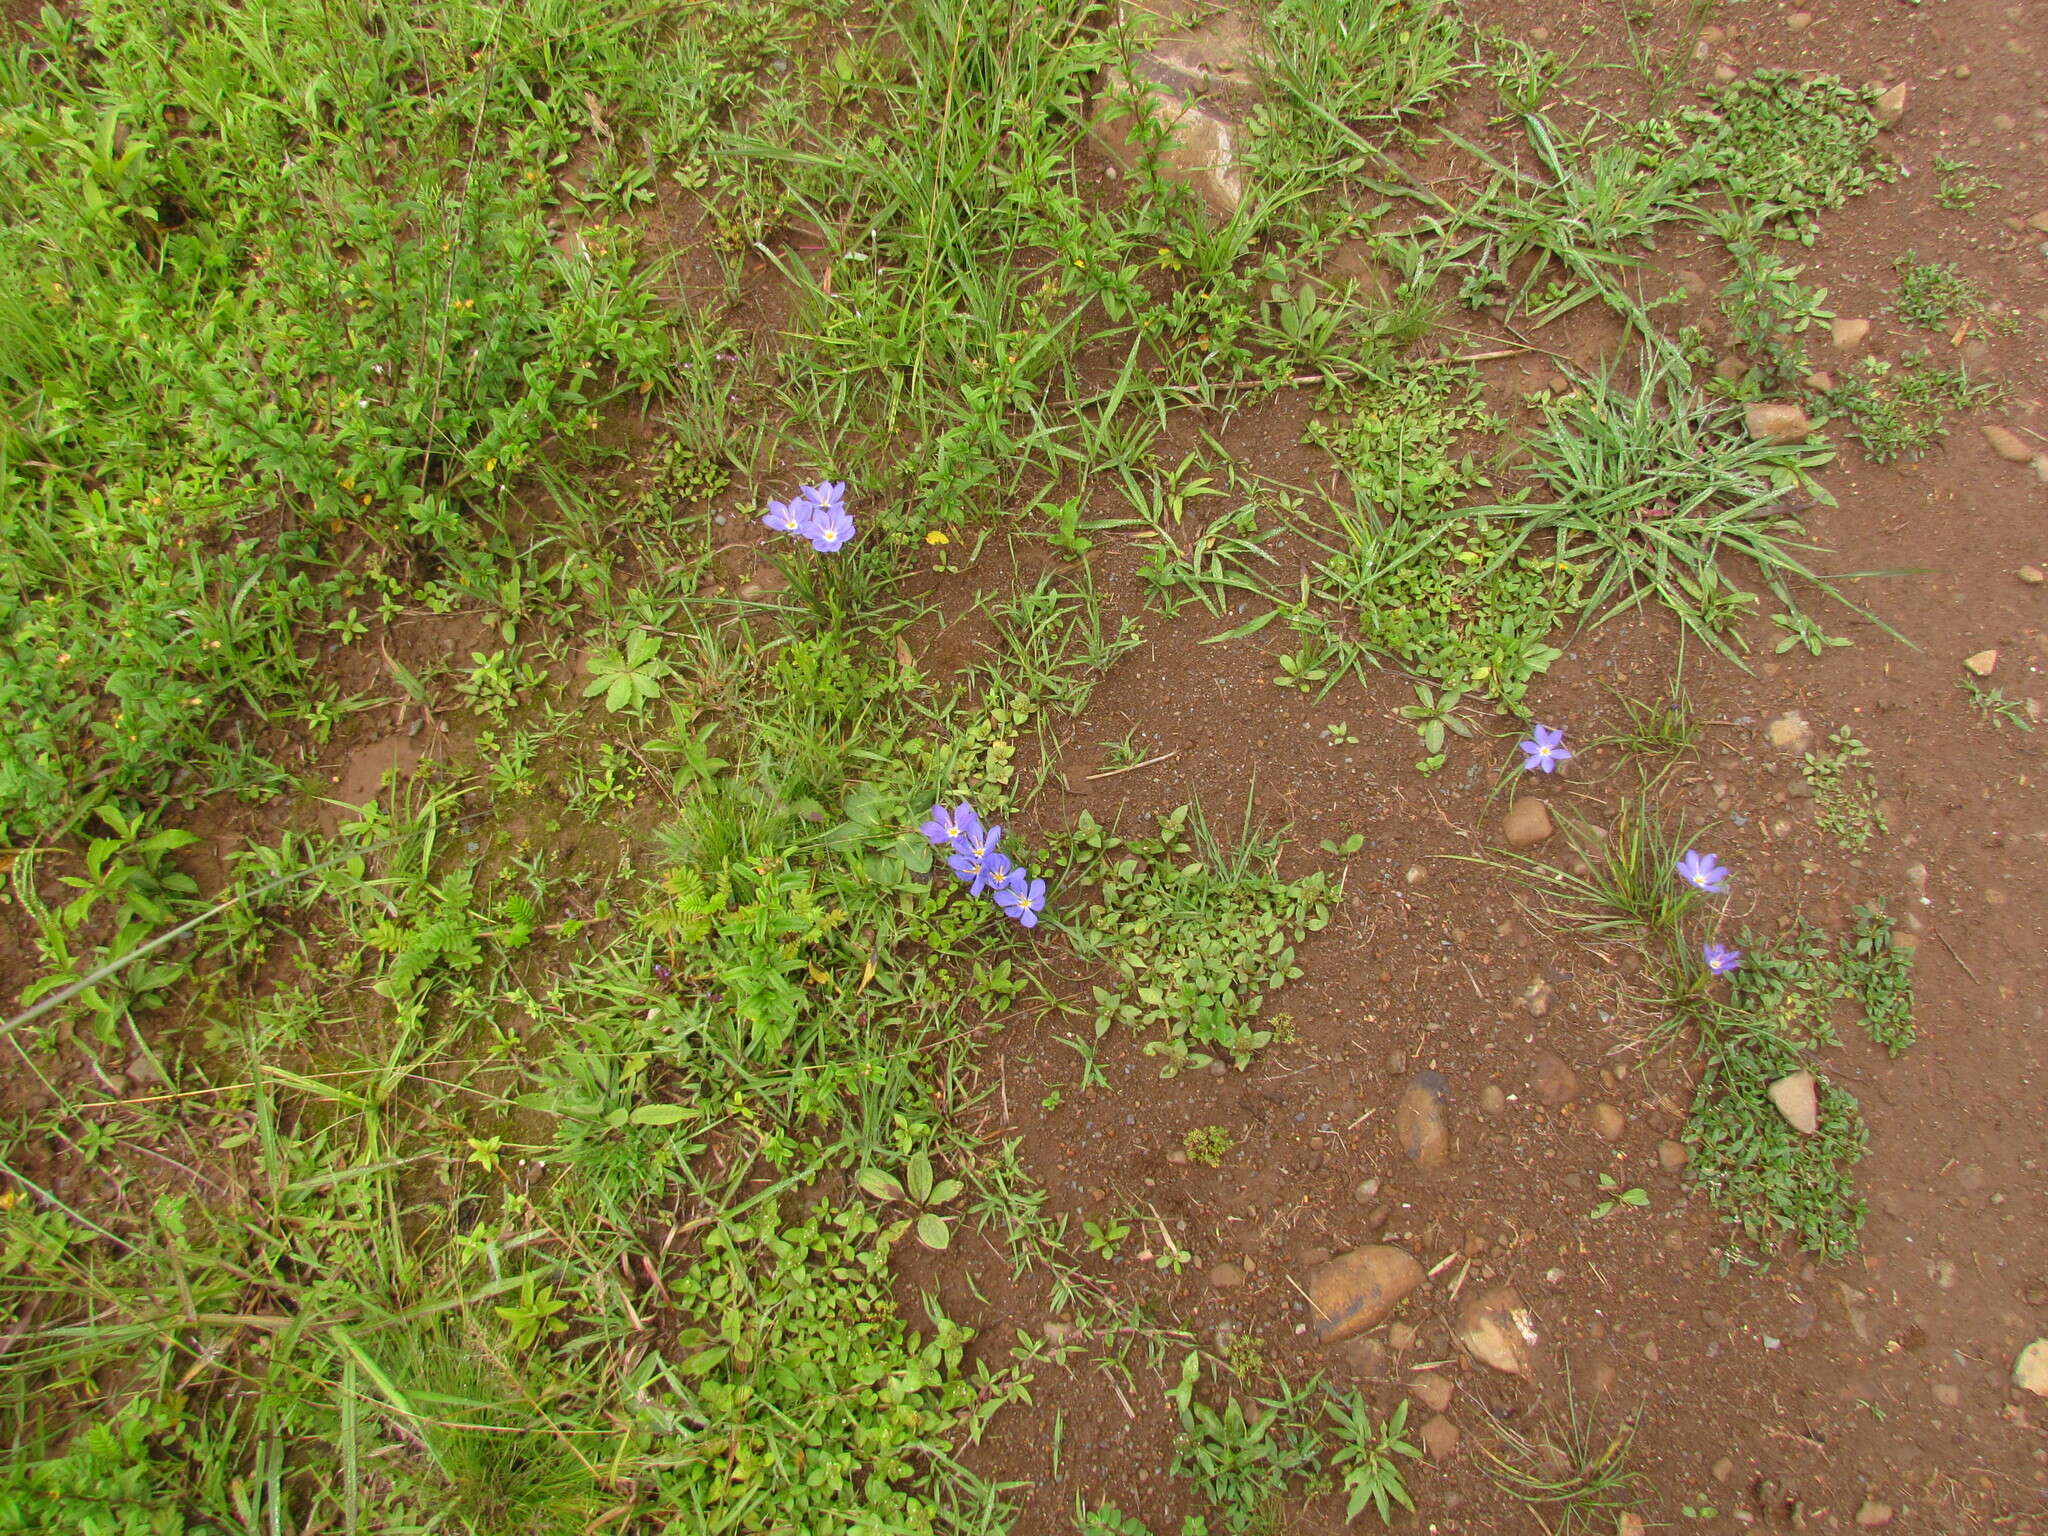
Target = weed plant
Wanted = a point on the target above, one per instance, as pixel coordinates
(1199, 937)
(1656, 493)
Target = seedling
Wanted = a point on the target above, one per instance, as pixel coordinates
(1618, 1198)
(915, 1188)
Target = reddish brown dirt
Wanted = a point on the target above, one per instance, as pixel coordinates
(1785, 1397)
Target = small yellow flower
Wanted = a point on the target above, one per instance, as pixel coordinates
(937, 537)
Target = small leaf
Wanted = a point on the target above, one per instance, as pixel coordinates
(933, 1232)
(944, 1190)
(660, 1114)
(878, 1184)
(920, 1178)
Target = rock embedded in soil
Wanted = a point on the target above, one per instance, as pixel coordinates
(1776, 421)
(1199, 92)
(1983, 664)
(1420, 1123)
(1790, 732)
(1356, 1290)
(1226, 1277)
(1535, 998)
(1439, 1437)
(1553, 1081)
(2007, 444)
(1527, 822)
(1433, 1390)
(1797, 1096)
(2030, 1371)
(1890, 105)
(1874, 1515)
(1492, 1100)
(1673, 1155)
(2032, 575)
(1497, 1330)
(1848, 334)
(1608, 1122)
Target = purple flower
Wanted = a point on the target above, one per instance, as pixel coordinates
(1721, 959)
(1703, 872)
(787, 516)
(947, 828)
(828, 497)
(1545, 750)
(980, 870)
(828, 528)
(1021, 897)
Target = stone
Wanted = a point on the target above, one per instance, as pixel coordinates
(1797, 1096)
(1198, 87)
(1848, 334)
(1439, 1437)
(1401, 1337)
(2007, 444)
(1630, 1524)
(1433, 1390)
(1724, 1469)
(2032, 575)
(1356, 1290)
(1535, 998)
(2039, 222)
(1419, 1121)
(2030, 1371)
(1608, 1122)
(1492, 1100)
(1776, 421)
(1368, 1190)
(1226, 1277)
(1948, 1394)
(1982, 664)
(1799, 21)
(1554, 1082)
(1498, 1330)
(1527, 822)
(1415, 874)
(1673, 1155)
(1874, 1514)
(1362, 1356)
(1890, 105)
(1790, 732)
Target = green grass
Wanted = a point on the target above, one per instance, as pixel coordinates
(1900, 410)
(539, 1145)
(1660, 496)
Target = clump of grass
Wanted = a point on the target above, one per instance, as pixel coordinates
(1657, 728)
(1844, 793)
(1575, 1479)
(1333, 67)
(1784, 144)
(1199, 936)
(1209, 1144)
(1657, 492)
(1395, 431)
(1994, 706)
(1934, 295)
(1460, 601)
(1958, 184)
(1761, 1174)
(1899, 410)
(1879, 971)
